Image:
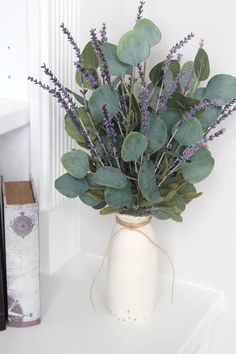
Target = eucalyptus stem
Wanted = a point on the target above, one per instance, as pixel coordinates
(169, 174)
(166, 147)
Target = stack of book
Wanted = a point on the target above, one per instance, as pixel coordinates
(3, 288)
(19, 255)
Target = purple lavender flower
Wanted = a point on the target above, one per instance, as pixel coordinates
(189, 81)
(144, 111)
(174, 49)
(140, 10)
(226, 112)
(198, 107)
(109, 126)
(103, 33)
(98, 50)
(59, 86)
(216, 134)
(191, 150)
(201, 43)
(171, 90)
(141, 74)
(84, 72)
(71, 40)
(63, 97)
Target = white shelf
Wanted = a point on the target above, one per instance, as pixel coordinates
(70, 325)
(13, 114)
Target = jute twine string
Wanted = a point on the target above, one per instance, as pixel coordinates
(134, 227)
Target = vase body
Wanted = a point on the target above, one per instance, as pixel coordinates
(132, 270)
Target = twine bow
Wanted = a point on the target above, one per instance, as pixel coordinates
(133, 227)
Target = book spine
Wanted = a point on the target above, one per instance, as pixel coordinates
(3, 298)
(22, 263)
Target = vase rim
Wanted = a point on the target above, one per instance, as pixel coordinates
(133, 218)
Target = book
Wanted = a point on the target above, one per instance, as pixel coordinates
(22, 253)
(3, 290)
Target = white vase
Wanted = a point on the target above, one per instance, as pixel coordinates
(132, 270)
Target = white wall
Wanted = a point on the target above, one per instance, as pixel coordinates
(203, 247)
(14, 147)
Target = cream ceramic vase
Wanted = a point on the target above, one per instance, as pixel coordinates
(132, 269)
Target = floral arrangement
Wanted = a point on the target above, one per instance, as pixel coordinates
(142, 137)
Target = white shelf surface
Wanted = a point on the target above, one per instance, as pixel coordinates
(13, 114)
(70, 325)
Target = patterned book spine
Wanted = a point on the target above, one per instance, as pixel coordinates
(3, 305)
(22, 263)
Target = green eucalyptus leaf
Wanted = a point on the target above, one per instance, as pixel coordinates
(187, 188)
(201, 65)
(153, 93)
(110, 177)
(132, 48)
(160, 214)
(170, 117)
(157, 133)
(86, 199)
(90, 60)
(188, 197)
(189, 71)
(82, 81)
(71, 187)
(148, 30)
(181, 103)
(221, 88)
(147, 181)
(156, 73)
(178, 200)
(76, 162)
(208, 117)
(199, 168)
(105, 94)
(119, 198)
(72, 130)
(95, 194)
(108, 211)
(116, 67)
(134, 145)
(189, 132)
(200, 93)
(101, 205)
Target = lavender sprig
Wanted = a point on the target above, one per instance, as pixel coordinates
(171, 90)
(140, 10)
(84, 72)
(109, 126)
(144, 111)
(173, 51)
(103, 33)
(63, 97)
(226, 112)
(141, 74)
(198, 107)
(98, 50)
(71, 40)
(110, 132)
(68, 107)
(189, 81)
(201, 43)
(191, 150)
(216, 134)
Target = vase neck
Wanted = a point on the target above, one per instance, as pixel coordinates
(133, 221)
